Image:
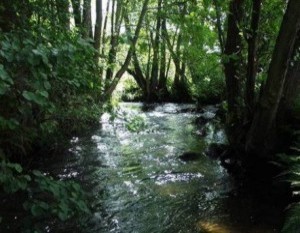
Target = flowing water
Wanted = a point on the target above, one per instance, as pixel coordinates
(138, 183)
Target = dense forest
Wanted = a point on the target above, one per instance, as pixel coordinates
(64, 63)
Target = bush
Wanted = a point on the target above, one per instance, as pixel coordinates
(45, 197)
(38, 82)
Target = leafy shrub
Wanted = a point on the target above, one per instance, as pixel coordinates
(136, 124)
(291, 164)
(131, 91)
(210, 90)
(46, 198)
(38, 82)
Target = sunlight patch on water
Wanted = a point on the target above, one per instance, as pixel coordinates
(174, 177)
(209, 227)
(131, 187)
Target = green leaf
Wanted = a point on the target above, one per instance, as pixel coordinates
(28, 95)
(37, 210)
(3, 88)
(63, 216)
(44, 93)
(47, 85)
(37, 173)
(38, 99)
(18, 168)
(4, 75)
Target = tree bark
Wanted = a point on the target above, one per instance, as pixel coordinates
(264, 117)
(252, 58)
(155, 47)
(231, 62)
(130, 52)
(219, 25)
(116, 19)
(98, 27)
(163, 67)
(77, 13)
(87, 19)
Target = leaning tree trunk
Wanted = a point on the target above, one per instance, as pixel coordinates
(261, 131)
(122, 70)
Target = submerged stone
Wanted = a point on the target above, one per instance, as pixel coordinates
(190, 156)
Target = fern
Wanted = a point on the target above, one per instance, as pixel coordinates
(291, 164)
(292, 223)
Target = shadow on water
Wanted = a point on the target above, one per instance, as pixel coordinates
(138, 183)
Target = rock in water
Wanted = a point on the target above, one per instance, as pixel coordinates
(190, 156)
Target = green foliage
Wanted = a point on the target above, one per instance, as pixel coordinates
(12, 178)
(47, 198)
(39, 81)
(291, 164)
(136, 124)
(296, 108)
(209, 90)
(131, 91)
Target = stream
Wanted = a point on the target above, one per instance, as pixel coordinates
(138, 184)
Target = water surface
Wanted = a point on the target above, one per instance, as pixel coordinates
(137, 183)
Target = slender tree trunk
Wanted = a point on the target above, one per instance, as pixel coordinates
(117, 18)
(219, 24)
(232, 52)
(176, 61)
(170, 45)
(137, 73)
(103, 44)
(163, 67)
(130, 52)
(98, 27)
(77, 13)
(264, 117)
(87, 19)
(290, 94)
(155, 60)
(252, 58)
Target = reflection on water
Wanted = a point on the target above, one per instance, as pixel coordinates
(138, 184)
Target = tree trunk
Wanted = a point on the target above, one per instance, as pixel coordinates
(116, 19)
(130, 52)
(155, 60)
(98, 27)
(232, 52)
(252, 58)
(219, 25)
(162, 86)
(102, 53)
(260, 133)
(290, 94)
(77, 13)
(87, 19)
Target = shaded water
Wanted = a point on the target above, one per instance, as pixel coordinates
(138, 184)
